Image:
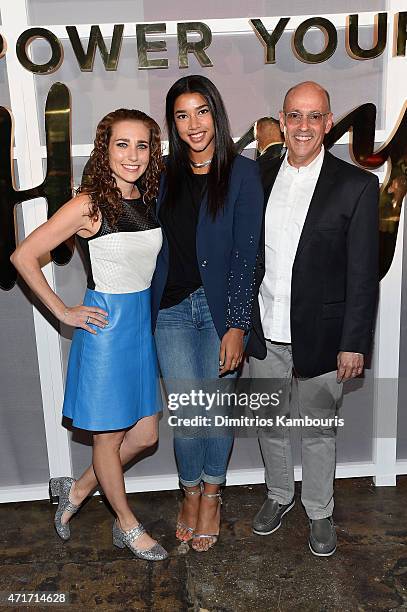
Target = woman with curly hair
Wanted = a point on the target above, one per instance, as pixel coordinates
(112, 384)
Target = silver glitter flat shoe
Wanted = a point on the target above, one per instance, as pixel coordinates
(126, 538)
(61, 487)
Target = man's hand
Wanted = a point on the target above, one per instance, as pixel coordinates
(350, 365)
(231, 350)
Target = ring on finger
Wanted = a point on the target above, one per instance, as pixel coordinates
(87, 320)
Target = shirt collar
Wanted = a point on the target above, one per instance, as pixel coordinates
(271, 144)
(312, 170)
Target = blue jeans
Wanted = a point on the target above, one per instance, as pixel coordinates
(188, 353)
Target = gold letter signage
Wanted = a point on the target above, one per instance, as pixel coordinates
(401, 34)
(197, 48)
(331, 40)
(3, 46)
(147, 43)
(57, 186)
(352, 39)
(157, 46)
(269, 40)
(86, 60)
(24, 41)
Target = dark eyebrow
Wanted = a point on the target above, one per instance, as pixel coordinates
(296, 110)
(196, 108)
(128, 140)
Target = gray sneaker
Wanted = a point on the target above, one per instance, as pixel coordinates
(268, 518)
(322, 537)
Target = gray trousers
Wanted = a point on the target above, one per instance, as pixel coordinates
(317, 399)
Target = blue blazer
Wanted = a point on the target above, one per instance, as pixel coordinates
(226, 250)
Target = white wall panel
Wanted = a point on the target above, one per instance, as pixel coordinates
(241, 76)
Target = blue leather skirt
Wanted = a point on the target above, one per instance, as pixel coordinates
(112, 379)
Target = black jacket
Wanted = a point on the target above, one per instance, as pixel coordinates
(274, 151)
(335, 275)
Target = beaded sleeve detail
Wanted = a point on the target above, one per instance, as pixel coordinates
(241, 286)
(247, 223)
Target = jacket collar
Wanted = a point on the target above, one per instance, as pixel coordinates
(322, 191)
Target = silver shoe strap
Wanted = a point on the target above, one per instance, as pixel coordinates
(133, 534)
(70, 507)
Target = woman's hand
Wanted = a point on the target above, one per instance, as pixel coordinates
(231, 350)
(81, 316)
(67, 221)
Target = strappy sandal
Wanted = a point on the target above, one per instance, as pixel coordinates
(180, 524)
(214, 536)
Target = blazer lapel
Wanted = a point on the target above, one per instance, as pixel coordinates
(269, 173)
(322, 189)
(161, 192)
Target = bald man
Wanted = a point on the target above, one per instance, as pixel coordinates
(270, 139)
(317, 280)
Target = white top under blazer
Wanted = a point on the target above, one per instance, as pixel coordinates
(286, 211)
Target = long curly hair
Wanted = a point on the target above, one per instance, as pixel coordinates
(98, 181)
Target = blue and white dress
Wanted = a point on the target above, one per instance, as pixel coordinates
(112, 379)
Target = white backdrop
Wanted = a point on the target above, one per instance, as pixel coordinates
(33, 444)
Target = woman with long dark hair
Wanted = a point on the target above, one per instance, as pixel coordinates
(112, 380)
(210, 208)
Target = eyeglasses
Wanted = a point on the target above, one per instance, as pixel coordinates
(297, 118)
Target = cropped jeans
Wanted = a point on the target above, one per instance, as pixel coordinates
(188, 353)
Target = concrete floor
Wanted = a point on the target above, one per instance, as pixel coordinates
(241, 573)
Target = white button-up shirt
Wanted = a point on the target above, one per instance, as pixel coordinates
(286, 211)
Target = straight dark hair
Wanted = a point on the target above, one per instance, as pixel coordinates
(178, 162)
